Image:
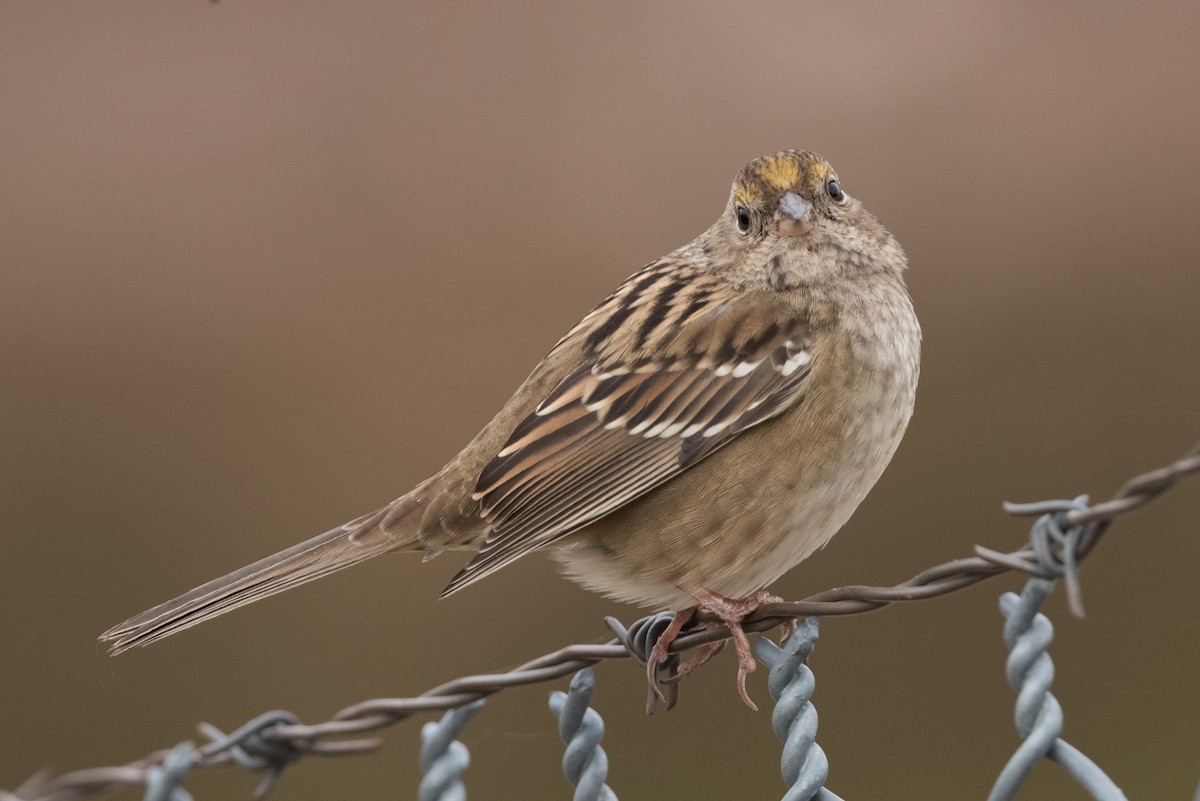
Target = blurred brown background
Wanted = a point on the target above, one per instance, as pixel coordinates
(265, 265)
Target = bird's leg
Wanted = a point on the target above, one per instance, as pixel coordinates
(732, 612)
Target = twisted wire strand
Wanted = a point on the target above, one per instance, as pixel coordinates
(375, 714)
(443, 758)
(585, 764)
(638, 640)
(791, 683)
(1039, 717)
(165, 782)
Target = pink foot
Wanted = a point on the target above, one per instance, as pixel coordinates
(702, 655)
(732, 612)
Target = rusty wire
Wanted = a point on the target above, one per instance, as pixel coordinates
(271, 741)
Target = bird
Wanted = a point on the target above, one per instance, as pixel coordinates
(707, 426)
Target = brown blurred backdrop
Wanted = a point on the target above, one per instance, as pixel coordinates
(265, 265)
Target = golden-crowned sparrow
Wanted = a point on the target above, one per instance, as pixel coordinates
(711, 423)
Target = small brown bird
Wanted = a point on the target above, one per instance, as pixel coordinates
(710, 424)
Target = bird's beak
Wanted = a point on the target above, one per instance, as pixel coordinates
(796, 216)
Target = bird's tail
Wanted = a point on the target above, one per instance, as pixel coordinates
(341, 547)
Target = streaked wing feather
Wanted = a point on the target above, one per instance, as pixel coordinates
(611, 481)
(621, 423)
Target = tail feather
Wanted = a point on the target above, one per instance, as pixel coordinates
(324, 554)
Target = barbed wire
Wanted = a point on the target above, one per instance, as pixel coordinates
(273, 740)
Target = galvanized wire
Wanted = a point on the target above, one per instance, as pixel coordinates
(791, 684)
(584, 763)
(272, 741)
(165, 782)
(1039, 716)
(443, 758)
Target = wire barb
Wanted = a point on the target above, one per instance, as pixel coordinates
(638, 640)
(1056, 551)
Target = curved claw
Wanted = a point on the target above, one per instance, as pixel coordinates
(658, 654)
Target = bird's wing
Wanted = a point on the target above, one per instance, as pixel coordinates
(671, 368)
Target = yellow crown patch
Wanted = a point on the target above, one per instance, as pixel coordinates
(779, 172)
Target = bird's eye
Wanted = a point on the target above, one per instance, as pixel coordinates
(743, 219)
(836, 192)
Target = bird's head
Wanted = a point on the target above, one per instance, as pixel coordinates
(789, 222)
